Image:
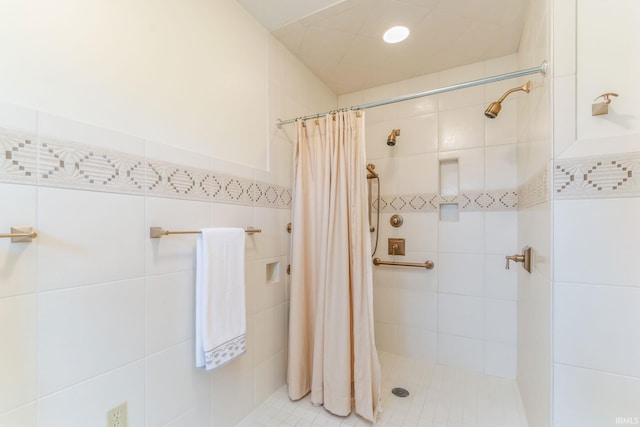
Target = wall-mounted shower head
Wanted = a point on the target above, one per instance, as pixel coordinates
(494, 108)
(391, 139)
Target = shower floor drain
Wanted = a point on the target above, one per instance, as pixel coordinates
(400, 392)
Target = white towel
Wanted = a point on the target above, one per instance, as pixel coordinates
(220, 297)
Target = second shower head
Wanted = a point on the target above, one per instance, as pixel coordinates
(391, 139)
(494, 108)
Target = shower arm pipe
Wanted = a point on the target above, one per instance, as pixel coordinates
(542, 69)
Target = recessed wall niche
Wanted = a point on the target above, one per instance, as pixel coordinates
(273, 272)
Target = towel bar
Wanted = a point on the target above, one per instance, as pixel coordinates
(157, 232)
(20, 234)
(427, 264)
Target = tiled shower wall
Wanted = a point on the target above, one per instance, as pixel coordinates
(596, 322)
(534, 219)
(93, 312)
(463, 312)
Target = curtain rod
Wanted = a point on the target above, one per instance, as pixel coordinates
(542, 69)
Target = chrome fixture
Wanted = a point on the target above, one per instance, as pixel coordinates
(524, 258)
(391, 139)
(20, 235)
(494, 108)
(602, 107)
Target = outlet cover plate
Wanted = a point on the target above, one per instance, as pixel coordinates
(117, 417)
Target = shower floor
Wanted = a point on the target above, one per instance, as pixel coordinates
(440, 396)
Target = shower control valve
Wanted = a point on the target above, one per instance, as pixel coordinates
(515, 258)
(524, 258)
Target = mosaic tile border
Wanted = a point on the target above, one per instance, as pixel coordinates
(614, 175)
(535, 190)
(63, 164)
(469, 201)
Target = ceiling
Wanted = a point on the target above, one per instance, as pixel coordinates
(341, 41)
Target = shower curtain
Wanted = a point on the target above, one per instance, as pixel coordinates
(332, 350)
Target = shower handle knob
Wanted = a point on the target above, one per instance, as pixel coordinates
(514, 258)
(524, 258)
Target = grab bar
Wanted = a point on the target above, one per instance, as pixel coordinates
(427, 264)
(157, 232)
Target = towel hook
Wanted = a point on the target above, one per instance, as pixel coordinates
(606, 96)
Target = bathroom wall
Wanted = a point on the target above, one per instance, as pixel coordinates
(535, 219)
(147, 70)
(93, 312)
(463, 312)
(596, 210)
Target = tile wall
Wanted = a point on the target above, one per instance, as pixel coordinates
(463, 312)
(93, 312)
(535, 220)
(596, 276)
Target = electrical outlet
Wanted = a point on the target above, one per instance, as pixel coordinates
(117, 417)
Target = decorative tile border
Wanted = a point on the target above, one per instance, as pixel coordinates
(469, 201)
(614, 175)
(18, 158)
(535, 190)
(54, 163)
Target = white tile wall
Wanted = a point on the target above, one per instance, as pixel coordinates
(95, 313)
(170, 299)
(173, 384)
(500, 227)
(592, 399)
(471, 167)
(461, 352)
(418, 173)
(439, 314)
(596, 327)
(418, 134)
(83, 234)
(18, 367)
(500, 321)
(19, 275)
(86, 403)
(498, 282)
(464, 236)
(500, 359)
(24, 416)
(461, 128)
(461, 274)
(418, 309)
(585, 224)
(595, 271)
(461, 315)
(102, 329)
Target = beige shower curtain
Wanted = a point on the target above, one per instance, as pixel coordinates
(332, 350)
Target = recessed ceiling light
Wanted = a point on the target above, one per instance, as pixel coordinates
(396, 34)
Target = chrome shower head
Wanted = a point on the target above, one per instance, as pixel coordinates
(494, 108)
(391, 139)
